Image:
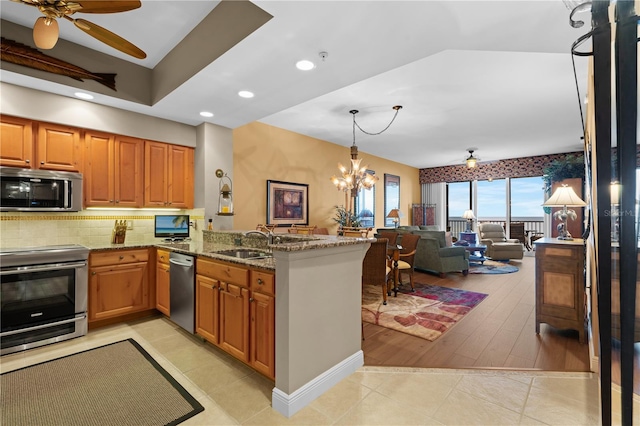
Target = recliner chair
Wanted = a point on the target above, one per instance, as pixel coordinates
(498, 246)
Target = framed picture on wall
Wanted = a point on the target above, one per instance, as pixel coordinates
(287, 203)
(391, 197)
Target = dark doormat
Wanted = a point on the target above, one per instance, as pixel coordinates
(116, 384)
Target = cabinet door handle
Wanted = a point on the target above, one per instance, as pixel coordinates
(117, 201)
(111, 201)
(260, 282)
(93, 273)
(251, 299)
(27, 161)
(121, 257)
(42, 163)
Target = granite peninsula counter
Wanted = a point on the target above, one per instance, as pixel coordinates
(216, 241)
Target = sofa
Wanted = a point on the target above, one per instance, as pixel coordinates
(434, 253)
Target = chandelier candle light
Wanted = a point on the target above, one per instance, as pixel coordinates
(356, 177)
(564, 197)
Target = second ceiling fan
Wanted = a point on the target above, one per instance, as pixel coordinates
(46, 31)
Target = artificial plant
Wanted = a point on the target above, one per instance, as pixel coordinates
(344, 217)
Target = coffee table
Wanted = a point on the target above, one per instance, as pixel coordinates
(476, 252)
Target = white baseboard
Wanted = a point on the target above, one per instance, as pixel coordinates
(289, 404)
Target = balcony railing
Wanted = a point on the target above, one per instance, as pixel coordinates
(534, 225)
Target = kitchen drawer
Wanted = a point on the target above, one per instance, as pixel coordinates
(262, 282)
(162, 256)
(223, 272)
(117, 257)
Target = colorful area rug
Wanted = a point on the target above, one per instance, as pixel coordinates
(492, 267)
(428, 313)
(116, 384)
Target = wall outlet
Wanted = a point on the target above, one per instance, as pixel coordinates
(130, 224)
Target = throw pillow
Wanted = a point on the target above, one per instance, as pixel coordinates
(448, 238)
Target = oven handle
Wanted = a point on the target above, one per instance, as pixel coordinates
(42, 268)
(41, 326)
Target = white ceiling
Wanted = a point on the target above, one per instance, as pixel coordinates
(496, 76)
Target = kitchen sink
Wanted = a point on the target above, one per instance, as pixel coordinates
(245, 253)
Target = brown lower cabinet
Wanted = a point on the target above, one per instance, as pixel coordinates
(163, 295)
(235, 310)
(118, 283)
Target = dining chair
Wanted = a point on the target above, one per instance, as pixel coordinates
(375, 266)
(354, 231)
(409, 243)
(391, 236)
(303, 230)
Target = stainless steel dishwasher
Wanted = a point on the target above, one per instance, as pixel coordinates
(182, 290)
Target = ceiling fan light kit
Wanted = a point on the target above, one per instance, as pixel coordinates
(471, 160)
(45, 32)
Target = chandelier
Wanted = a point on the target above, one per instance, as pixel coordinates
(357, 177)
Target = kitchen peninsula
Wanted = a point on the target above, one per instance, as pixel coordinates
(317, 314)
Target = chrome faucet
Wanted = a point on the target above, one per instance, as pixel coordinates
(267, 235)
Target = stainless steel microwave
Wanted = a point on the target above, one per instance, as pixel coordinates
(39, 190)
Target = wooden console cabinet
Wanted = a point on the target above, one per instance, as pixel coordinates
(560, 294)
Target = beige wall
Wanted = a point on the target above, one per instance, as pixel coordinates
(262, 152)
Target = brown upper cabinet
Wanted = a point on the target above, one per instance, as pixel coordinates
(16, 142)
(56, 147)
(168, 175)
(59, 148)
(113, 170)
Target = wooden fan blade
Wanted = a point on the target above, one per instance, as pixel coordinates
(109, 38)
(101, 6)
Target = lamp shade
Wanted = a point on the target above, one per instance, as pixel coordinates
(468, 214)
(45, 32)
(564, 196)
(615, 192)
(395, 213)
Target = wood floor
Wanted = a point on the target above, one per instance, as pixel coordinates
(498, 333)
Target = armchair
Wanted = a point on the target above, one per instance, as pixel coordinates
(498, 246)
(434, 255)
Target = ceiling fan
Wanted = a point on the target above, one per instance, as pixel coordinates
(471, 160)
(45, 30)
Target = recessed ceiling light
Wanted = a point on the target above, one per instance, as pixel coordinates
(305, 65)
(206, 114)
(245, 94)
(83, 95)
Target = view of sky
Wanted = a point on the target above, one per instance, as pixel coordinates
(527, 197)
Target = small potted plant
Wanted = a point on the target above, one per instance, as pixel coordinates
(344, 218)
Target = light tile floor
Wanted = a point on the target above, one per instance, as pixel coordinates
(234, 394)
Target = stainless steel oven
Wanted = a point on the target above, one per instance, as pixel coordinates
(43, 296)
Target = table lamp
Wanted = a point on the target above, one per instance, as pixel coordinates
(468, 214)
(395, 214)
(564, 197)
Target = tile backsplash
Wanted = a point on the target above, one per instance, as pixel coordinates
(88, 227)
